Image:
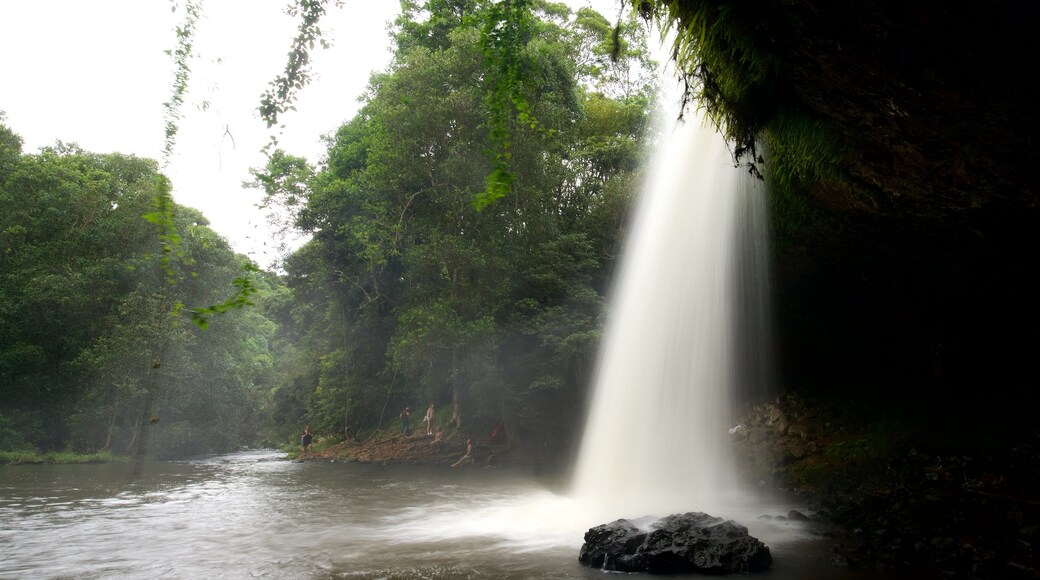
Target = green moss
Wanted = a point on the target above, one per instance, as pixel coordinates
(722, 52)
(799, 151)
(859, 463)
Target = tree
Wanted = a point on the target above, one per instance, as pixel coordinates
(410, 291)
(86, 297)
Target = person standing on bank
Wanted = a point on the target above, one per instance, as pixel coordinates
(405, 416)
(429, 419)
(305, 440)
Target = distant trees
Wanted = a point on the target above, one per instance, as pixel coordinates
(92, 316)
(464, 226)
(407, 292)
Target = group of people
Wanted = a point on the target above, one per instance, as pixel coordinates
(438, 439)
(406, 416)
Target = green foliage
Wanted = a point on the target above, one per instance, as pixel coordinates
(10, 148)
(412, 30)
(506, 29)
(16, 435)
(245, 288)
(855, 463)
(409, 292)
(65, 457)
(613, 59)
(181, 56)
(89, 293)
(282, 91)
(721, 49)
(801, 152)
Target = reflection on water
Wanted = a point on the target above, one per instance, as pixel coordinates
(253, 515)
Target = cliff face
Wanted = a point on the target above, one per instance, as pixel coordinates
(933, 104)
(906, 135)
(902, 141)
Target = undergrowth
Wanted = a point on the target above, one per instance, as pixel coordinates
(65, 457)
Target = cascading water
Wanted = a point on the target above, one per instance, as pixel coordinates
(687, 331)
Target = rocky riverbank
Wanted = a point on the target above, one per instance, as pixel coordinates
(957, 501)
(415, 449)
(907, 496)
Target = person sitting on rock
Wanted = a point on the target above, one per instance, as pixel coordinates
(468, 457)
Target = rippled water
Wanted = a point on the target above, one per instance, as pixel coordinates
(254, 515)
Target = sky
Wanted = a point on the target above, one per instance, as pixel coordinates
(96, 74)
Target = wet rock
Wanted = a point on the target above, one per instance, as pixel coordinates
(798, 430)
(795, 449)
(759, 435)
(774, 414)
(839, 560)
(797, 516)
(605, 543)
(681, 543)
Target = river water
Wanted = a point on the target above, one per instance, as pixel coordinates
(255, 515)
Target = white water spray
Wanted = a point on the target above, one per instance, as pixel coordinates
(686, 332)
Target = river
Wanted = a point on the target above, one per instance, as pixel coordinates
(255, 515)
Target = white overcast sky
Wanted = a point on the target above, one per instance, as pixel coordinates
(95, 73)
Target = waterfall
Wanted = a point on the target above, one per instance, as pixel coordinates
(688, 329)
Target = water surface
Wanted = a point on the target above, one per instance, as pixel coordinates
(255, 515)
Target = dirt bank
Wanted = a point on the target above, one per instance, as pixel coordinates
(384, 447)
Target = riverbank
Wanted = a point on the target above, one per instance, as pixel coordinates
(33, 457)
(921, 495)
(909, 494)
(384, 448)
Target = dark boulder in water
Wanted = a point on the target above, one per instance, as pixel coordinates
(680, 543)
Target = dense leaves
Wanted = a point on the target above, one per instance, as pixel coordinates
(427, 281)
(92, 344)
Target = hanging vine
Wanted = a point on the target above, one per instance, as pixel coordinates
(164, 216)
(502, 40)
(182, 55)
(282, 93)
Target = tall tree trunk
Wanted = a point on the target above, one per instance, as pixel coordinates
(135, 428)
(111, 428)
(456, 390)
(146, 419)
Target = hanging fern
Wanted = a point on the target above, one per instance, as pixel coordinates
(721, 55)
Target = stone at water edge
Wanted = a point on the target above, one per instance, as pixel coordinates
(603, 544)
(680, 543)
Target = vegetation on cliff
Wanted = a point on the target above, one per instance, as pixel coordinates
(900, 140)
